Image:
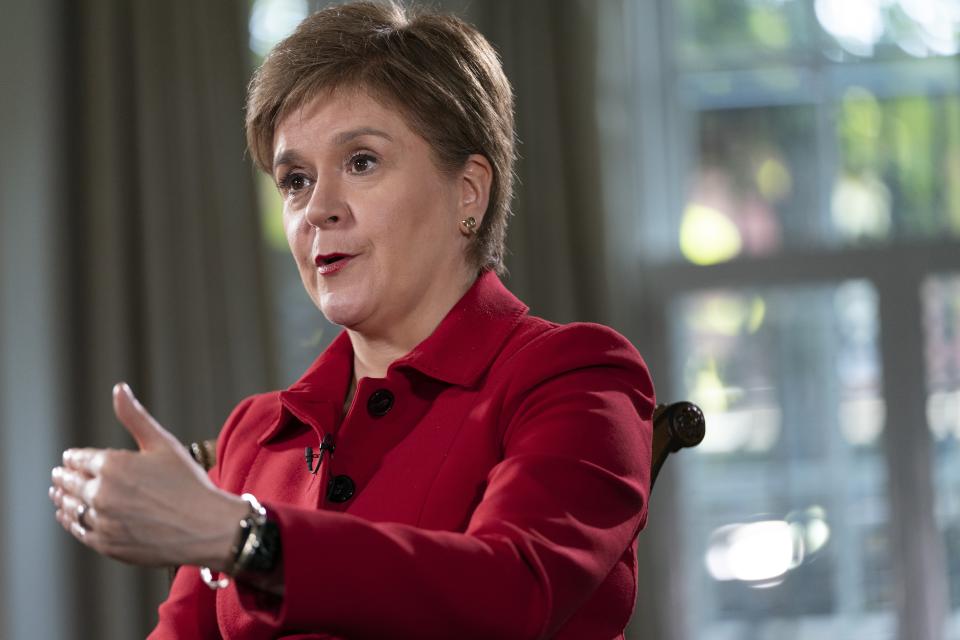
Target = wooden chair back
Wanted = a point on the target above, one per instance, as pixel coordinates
(675, 426)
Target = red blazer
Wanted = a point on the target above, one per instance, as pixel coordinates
(499, 477)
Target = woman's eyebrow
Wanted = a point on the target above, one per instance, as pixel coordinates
(286, 157)
(291, 156)
(346, 136)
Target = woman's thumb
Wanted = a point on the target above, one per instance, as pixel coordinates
(145, 430)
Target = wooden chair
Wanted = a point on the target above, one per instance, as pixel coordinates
(205, 453)
(675, 426)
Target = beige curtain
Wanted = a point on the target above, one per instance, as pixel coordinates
(548, 51)
(150, 251)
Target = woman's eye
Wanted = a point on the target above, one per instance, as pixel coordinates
(293, 182)
(362, 163)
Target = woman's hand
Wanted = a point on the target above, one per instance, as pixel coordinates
(154, 506)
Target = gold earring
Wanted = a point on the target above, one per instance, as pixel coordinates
(468, 227)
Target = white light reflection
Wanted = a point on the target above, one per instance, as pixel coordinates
(920, 28)
(761, 553)
(754, 552)
(273, 20)
(708, 235)
(861, 206)
(753, 429)
(856, 24)
(811, 523)
(938, 21)
(862, 419)
(943, 414)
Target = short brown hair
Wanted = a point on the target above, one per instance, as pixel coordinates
(438, 70)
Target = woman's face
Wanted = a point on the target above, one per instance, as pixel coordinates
(373, 224)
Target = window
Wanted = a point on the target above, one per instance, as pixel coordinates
(787, 514)
(941, 308)
(799, 233)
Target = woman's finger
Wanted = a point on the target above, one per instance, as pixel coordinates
(89, 490)
(74, 483)
(85, 531)
(88, 461)
(82, 513)
(56, 495)
(70, 524)
(66, 480)
(78, 531)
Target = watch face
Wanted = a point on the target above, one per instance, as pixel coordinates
(266, 548)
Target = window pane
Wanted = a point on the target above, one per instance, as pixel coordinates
(715, 34)
(760, 182)
(804, 143)
(900, 164)
(941, 301)
(785, 498)
(861, 29)
(753, 189)
(730, 32)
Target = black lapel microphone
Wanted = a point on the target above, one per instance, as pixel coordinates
(325, 445)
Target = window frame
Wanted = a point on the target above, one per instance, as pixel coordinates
(896, 270)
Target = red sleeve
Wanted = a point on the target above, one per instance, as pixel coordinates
(189, 612)
(563, 506)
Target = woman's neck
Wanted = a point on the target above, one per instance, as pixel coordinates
(373, 353)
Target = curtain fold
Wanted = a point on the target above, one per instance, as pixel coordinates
(557, 233)
(32, 594)
(159, 275)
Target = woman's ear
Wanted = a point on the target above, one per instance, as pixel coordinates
(476, 178)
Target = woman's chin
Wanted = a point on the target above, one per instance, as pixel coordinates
(337, 310)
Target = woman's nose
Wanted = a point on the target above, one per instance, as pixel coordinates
(326, 206)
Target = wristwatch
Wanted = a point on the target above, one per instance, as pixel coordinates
(257, 549)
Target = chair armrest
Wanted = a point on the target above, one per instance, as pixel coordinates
(675, 426)
(205, 453)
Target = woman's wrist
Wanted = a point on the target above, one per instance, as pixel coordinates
(219, 550)
(253, 551)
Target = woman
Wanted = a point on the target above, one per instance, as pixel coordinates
(471, 470)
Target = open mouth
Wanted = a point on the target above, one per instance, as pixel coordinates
(330, 258)
(331, 263)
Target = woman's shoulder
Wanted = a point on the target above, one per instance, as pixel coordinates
(575, 366)
(584, 342)
(540, 349)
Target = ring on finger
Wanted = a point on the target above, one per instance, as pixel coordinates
(82, 509)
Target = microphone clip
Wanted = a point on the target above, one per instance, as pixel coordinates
(325, 445)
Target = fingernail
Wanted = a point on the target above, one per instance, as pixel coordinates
(56, 473)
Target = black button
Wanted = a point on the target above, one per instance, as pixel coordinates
(380, 402)
(340, 489)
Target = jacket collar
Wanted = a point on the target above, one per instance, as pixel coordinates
(464, 344)
(458, 352)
